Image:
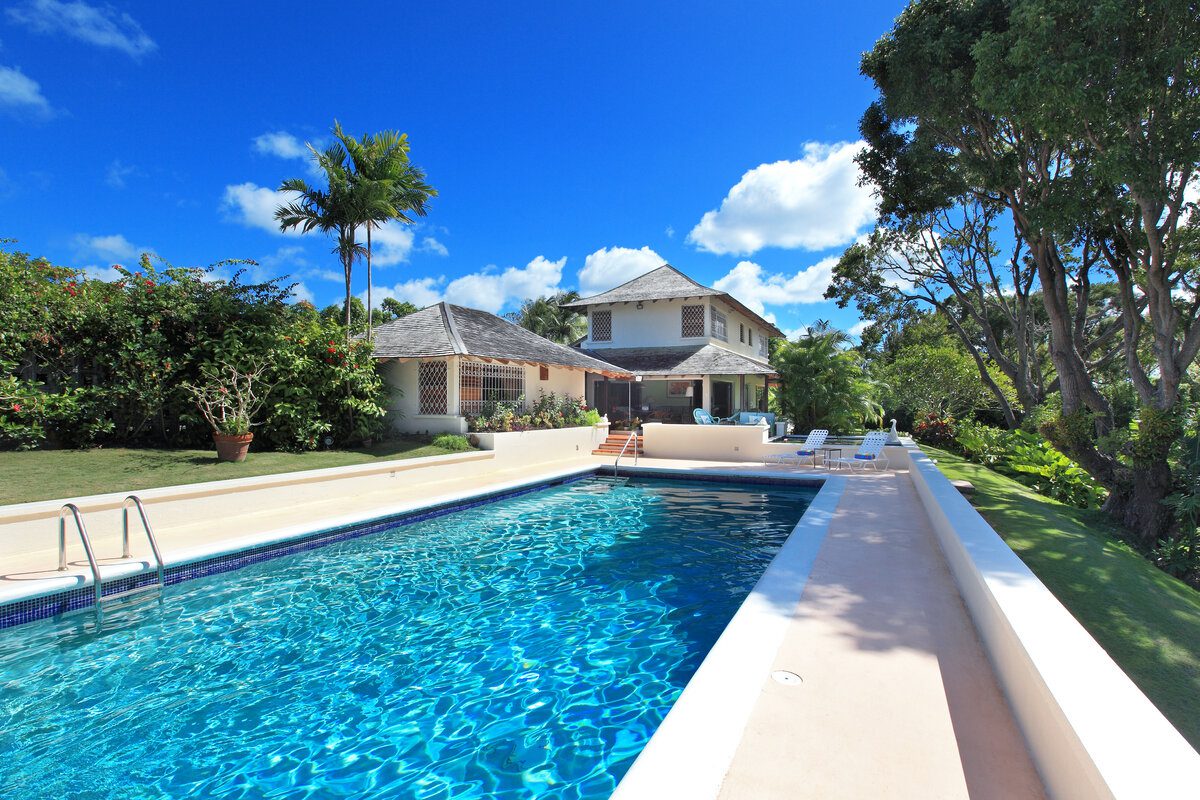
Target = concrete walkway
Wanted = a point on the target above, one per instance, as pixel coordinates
(898, 699)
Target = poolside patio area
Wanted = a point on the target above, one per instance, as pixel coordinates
(896, 694)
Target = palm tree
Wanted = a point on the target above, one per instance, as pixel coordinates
(546, 317)
(822, 382)
(336, 211)
(392, 188)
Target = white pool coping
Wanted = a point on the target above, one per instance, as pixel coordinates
(125, 568)
(693, 748)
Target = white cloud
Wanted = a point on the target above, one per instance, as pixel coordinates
(857, 328)
(254, 206)
(670, 231)
(813, 203)
(391, 243)
(281, 144)
(101, 26)
(22, 93)
(113, 247)
(117, 172)
(609, 267)
(488, 290)
(748, 283)
(432, 245)
(301, 293)
(420, 292)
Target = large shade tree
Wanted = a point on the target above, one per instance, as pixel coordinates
(1081, 120)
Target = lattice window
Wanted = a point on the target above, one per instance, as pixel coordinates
(480, 383)
(718, 325)
(601, 326)
(432, 389)
(692, 318)
(762, 345)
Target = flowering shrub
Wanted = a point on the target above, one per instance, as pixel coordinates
(935, 430)
(550, 411)
(91, 362)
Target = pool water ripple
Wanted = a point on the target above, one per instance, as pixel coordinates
(527, 648)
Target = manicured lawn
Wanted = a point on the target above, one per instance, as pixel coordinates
(53, 474)
(1147, 621)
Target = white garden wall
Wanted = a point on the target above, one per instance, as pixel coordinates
(711, 442)
(1091, 731)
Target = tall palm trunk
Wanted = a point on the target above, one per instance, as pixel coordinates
(370, 310)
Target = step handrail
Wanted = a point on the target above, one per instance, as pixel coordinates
(141, 509)
(617, 462)
(87, 545)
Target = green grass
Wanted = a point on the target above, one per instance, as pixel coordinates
(1147, 621)
(52, 474)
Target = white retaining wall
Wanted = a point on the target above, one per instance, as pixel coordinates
(1091, 731)
(712, 442)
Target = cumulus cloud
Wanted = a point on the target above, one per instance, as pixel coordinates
(489, 289)
(431, 245)
(391, 243)
(19, 92)
(281, 144)
(749, 283)
(254, 206)
(112, 247)
(100, 26)
(857, 328)
(813, 203)
(612, 266)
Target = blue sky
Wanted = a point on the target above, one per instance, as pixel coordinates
(573, 145)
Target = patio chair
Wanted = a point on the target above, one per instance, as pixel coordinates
(702, 417)
(870, 452)
(808, 449)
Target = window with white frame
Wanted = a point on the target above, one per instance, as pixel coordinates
(482, 383)
(692, 321)
(762, 345)
(432, 392)
(750, 336)
(601, 326)
(741, 333)
(718, 325)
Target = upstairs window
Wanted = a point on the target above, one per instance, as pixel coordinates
(750, 337)
(718, 325)
(741, 333)
(601, 326)
(762, 346)
(692, 318)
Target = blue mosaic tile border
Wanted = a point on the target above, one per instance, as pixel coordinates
(22, 611)
(811, 481)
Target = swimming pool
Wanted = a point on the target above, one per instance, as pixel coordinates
(529, 647)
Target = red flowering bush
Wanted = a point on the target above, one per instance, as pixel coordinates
(937, 431)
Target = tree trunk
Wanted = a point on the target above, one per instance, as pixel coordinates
(346, 267)
(1137, 503)
(370, 311)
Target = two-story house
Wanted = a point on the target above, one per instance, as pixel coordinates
(689, 346)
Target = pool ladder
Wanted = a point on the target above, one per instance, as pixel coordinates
(89, 551)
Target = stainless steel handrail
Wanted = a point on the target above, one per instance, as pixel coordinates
(87, 544)
(617, 463)
(137, 502)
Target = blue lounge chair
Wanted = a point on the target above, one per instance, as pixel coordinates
(808, 449)
(702, 417)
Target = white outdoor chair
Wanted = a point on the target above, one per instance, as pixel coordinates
(870, 452)
(808, 449)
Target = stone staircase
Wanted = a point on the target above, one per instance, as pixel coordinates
(615, 441)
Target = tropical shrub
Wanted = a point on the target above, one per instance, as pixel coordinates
(87, 362)
(548, 412)
(452, 442)
(937, 431)
(822, 383)
(1030, 460)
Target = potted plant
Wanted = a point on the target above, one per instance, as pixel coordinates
(229, 398)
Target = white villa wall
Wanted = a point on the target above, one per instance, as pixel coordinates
(659, 324)
(531, 447)
(1091, 731)
(711, 442)
(405, 403)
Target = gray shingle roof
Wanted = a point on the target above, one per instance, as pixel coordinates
(445, 329)
(666, 283)
(705, 359)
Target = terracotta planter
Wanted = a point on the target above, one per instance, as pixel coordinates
(232, 448)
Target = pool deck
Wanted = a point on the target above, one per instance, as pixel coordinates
(897, 698)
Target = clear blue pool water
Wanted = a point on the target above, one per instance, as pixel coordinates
(527, 648)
